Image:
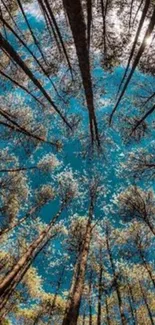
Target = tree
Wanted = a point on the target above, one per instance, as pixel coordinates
(76, 20)
(134, 203)
(77, 198)
(75, 294)
(11, 280)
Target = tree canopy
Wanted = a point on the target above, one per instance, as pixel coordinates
(77, 162)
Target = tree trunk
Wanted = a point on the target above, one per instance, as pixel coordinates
(89, 21)
(147, 221)
(100, 291)
(132, 301)
(138, 9)
(119, 298)
(136, 61)
(21, 130)
(146, 7)
(12, 18)
(73, 304)
(13, 54)
(147, 267)
(107, 311)
(78, 28)
(76, 290)
(104, 8)
(19, 222)
(31, 31)
(49, 10)
(146, 304)
(49, 23)
(31, 53)
(84, 318)
(149, 112)
(12, 279)
(131, 308)
(90, 298)
(21, 86)
(59, 283)
(131, 11)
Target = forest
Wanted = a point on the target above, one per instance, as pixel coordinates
(77, 162)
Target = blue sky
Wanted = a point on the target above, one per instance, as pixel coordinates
(115, 151)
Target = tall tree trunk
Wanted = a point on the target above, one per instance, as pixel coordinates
(107, 310)
(4, 28)
(100, 291)
(132, 300)
(12, 279)
(51, 308)
(139, 122)
(84, 318)
(78, 28)
(31, 53)
(49, 10)
(90, 298)
(12, 18)
(147, 267)
(49, 23)
(148, 99)
(136, 61)
(104, 8)
(76, 290)
(19, 222)
(131, 308)
(16, 83)
(10, 50)
(73, 304)
(119, 298)
(26, 133)
(146, 303)
(138, 9)
(144, 13)
(130, 16)
(89, 21)
(31, 31)
(17, 128)
(59, 283)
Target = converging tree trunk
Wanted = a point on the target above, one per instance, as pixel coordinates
(136, 61)
(31, 31)
(76, 290)
(146, 265)
(78, 28)
(100, 290)
(90, 299)
(89, 21)
(48, 9)
(84, 318)
(29, 50)
(11, 280)
(120, 303)
(131, 309)
(14, 55)
(146, 303)
(144, 13)
(107, 310)
(104, 8)
(132, 301)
